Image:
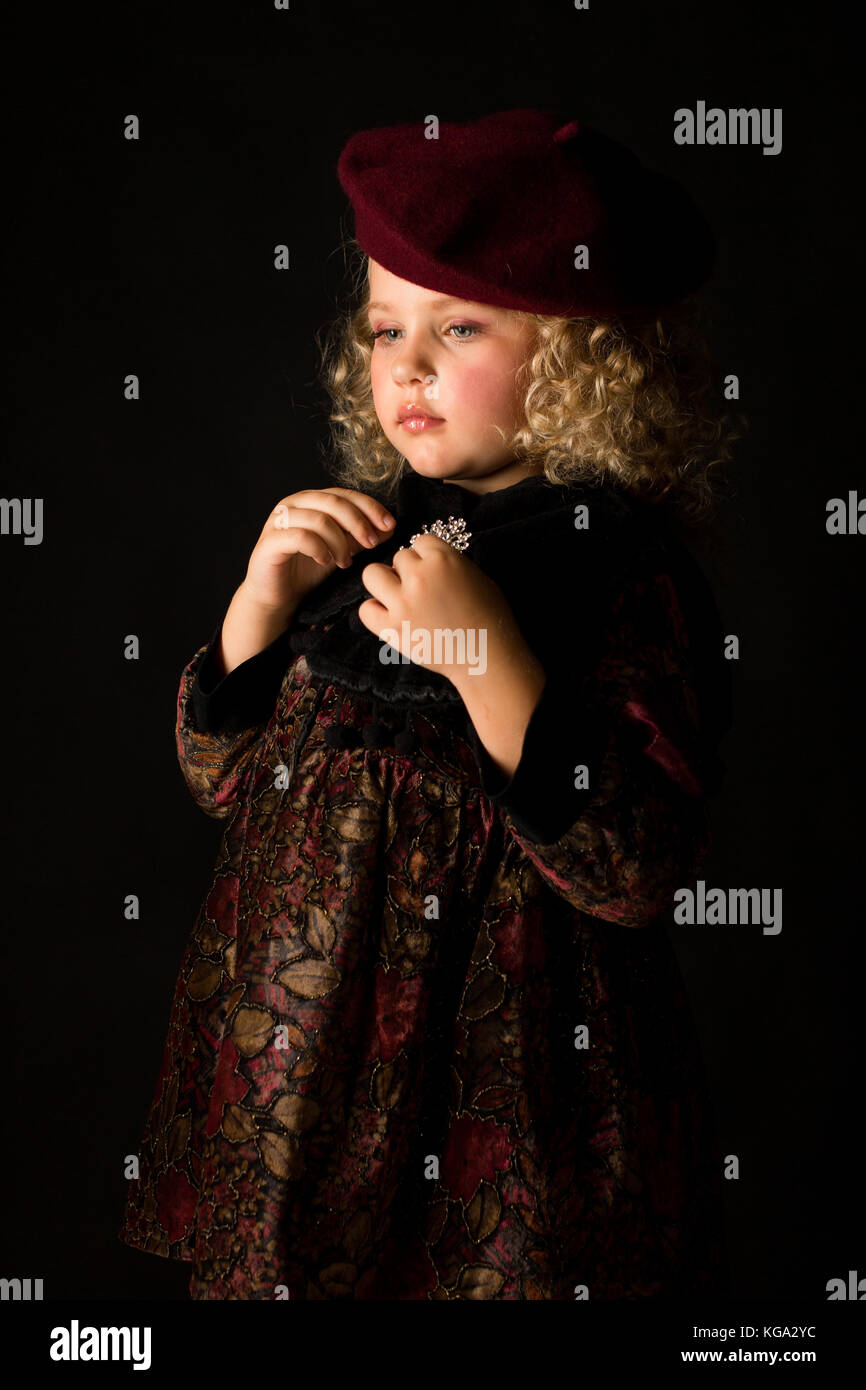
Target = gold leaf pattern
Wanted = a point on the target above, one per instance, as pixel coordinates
(178, 1137)
(295, 1112)
(319, 932)
(484, 993)
(479, 1281)
(280, 1155)
(238, 1124)
(251, 1030)
(388, 1081)
(310, 979)
(482, 1214)
(204, 979)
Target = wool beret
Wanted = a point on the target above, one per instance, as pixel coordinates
(496, 210)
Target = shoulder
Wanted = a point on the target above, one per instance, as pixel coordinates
(604, 528)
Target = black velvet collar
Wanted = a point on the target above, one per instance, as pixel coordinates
(556, 578)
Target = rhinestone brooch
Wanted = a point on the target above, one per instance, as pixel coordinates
(453, 531)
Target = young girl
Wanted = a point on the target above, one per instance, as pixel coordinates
(429, 1037)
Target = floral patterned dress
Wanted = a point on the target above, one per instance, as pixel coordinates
(429, 1037)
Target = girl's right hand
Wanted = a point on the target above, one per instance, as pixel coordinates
(306, 537)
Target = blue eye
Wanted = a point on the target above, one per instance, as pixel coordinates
(470, 329)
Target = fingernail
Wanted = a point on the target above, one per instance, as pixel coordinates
(387, 520)
(371, 539)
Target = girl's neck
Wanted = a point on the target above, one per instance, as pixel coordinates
(499, 478)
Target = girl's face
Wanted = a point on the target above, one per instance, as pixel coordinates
(456, 361)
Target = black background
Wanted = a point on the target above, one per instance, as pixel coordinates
(155, 257)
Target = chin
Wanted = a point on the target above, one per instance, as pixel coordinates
(444, 473)
(433, 468)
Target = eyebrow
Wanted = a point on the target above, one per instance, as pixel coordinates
(432, 303)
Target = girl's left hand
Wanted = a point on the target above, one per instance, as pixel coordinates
(431, 585)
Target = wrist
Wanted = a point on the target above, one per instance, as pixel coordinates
(508, 665)
(500, 709)
(277, 613)
(249, 627)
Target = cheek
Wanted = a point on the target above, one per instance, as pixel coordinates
(375, 372)
(488, 389)
(382, 388)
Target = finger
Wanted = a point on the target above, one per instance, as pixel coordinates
(301, 540)
(404, 559)
(429, 543)
(362, 516)
(373, 615)
(382, 582)
(288, 518)
(376, 511)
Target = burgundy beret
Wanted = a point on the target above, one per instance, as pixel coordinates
(493, 209)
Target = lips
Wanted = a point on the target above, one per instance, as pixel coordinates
(417, 421)
(414, 412)
(419, 424)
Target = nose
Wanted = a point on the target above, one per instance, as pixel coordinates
(409, 363)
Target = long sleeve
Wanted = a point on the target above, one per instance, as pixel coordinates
(221, 720)
(247, 695)
(620, 845)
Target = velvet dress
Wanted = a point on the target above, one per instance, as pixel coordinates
(429, 1038)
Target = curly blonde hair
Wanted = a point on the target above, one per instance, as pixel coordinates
(630, 400)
